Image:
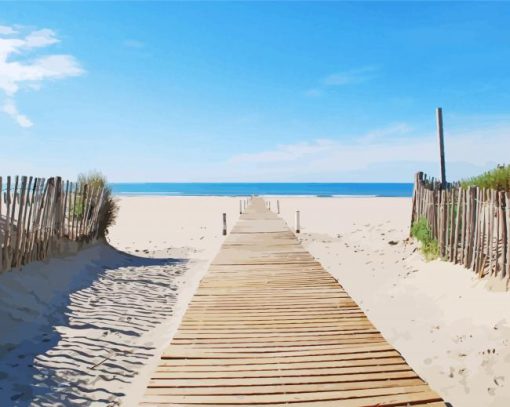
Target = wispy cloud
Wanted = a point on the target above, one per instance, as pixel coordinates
(343, 78)
(5, 30)
(287, 152)
(351, 77)
(391, 153)
(19, 69)
(386, 133)
(10, 108)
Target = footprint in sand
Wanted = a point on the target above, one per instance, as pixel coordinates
(499, 381)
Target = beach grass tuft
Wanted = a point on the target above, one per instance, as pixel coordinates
(421, 231)
(110, 209)
(497, 178)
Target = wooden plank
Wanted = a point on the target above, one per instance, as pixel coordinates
(64, 212)
(38, 210)
(287, 397)
(507, 240)
(408, 398)
(314, 364)
(47, 220)
(12, 220)
(22, 217)
(268, 381)
(457, 221)
(490, 234)
(29, 225)
(296, 388)
(476, 235)
(246, 361)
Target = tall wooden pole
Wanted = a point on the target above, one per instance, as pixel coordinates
(224, 224)
(439, 116)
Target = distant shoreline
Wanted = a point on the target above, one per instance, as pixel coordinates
(163, 194)
(321, 190)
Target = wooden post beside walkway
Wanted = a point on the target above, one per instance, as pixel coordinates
(269, 326)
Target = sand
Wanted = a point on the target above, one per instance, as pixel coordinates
(88, 329)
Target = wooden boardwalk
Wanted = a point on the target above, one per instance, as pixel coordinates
(269, 326)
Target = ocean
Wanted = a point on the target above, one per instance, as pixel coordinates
(267, 189)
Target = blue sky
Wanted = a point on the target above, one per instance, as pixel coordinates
(253, 91)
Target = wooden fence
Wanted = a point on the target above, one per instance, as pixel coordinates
(471, 225)
(38, 215)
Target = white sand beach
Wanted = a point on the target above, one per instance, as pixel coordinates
(88, 329)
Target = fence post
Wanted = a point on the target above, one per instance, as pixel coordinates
(439, 115)
(278, 206)
(224, 224)
(507, 240)
(240, 207)
(298, 223)
(418, 183)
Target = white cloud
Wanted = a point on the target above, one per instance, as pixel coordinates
(350, 77)
(17, 71)
(391, 131)
(5, 30)
(10, 108)
(343, 78)
(392, 153)
(287, 152)
(40, 38)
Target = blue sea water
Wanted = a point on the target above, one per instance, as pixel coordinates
(246, 189)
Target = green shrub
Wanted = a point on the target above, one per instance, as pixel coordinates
(498, 178)
(110, 208)
(78, 207)
(421, 231)
(430, 249)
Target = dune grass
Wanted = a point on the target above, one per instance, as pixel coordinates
(421, 231)
(497, 178)
(110, 208)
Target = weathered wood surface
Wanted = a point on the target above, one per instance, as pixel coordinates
(471, 225)
(40, 213)
(269, 326)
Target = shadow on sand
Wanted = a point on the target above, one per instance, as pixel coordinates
(91, 342)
